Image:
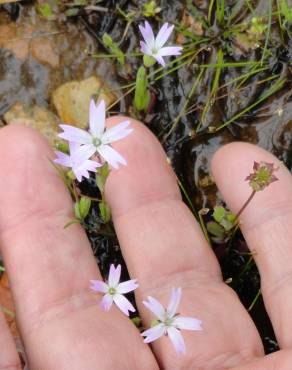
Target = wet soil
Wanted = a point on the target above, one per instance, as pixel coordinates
(27, 78)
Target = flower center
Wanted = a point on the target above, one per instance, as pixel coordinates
(112, 291)
(154, 51)
(168, 321)
(96, 141)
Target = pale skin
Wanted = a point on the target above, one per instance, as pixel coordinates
(50, 267)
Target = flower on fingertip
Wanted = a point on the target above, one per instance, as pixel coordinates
(78, 160)
(169, 322)
(262, 175)
(114, 291)
(98, 139)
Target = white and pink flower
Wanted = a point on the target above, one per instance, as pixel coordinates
(154, 46)
(98, 139)
(169, 322)
(114, 291)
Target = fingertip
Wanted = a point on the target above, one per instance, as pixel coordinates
(30, 183)
(147, 175)
(231, 156)
(15, 138)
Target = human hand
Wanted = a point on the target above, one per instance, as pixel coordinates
(61, 323)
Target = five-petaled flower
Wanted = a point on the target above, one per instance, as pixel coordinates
(154, 46)
(169, 322)
(262, 176)
(98, 138)
(78, 160)
(113, 290)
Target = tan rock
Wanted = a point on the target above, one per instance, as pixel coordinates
(71, 100)
(36, 117)
(11, 40)
(43, 50)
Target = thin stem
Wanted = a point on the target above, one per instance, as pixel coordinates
(254, 301)
(204, 229)
(246, 203)
(246, 267)
(268, 33)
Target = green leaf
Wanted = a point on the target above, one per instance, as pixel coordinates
(219, 213)
(77, 211)
(231, 217)
(142, 96)
(148, 61)
(62, 146)
(113, 48)
(45, 10)
(150, 9)
(226, 224)
(105, 211)
(101, 177)
(215, 229)
(84, 207)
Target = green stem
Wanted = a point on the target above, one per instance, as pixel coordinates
(254, 301)
(204, 227)
(268, 33)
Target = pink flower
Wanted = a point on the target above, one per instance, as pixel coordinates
(262, 176)
(77, 160)
(113, 290)
(154, 46)
(169, 322)
(98, 138)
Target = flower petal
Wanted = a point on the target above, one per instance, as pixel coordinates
(73, 147)
(83, 169)
(187, 323)
(63, 159)
(97, 118)
(116, 132)
(75, 134)
(169, 50)
(153, 333)
(177, 340)
(163, 35)
(114, 276)
(81, 153)
(99, 286)
(124, 305)
(174, 302)
(80, 172)
(127, 286)
(159, 59)
(155, 307)
(147, 34)
(106, 302)
(145, 48)
(111, 156)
